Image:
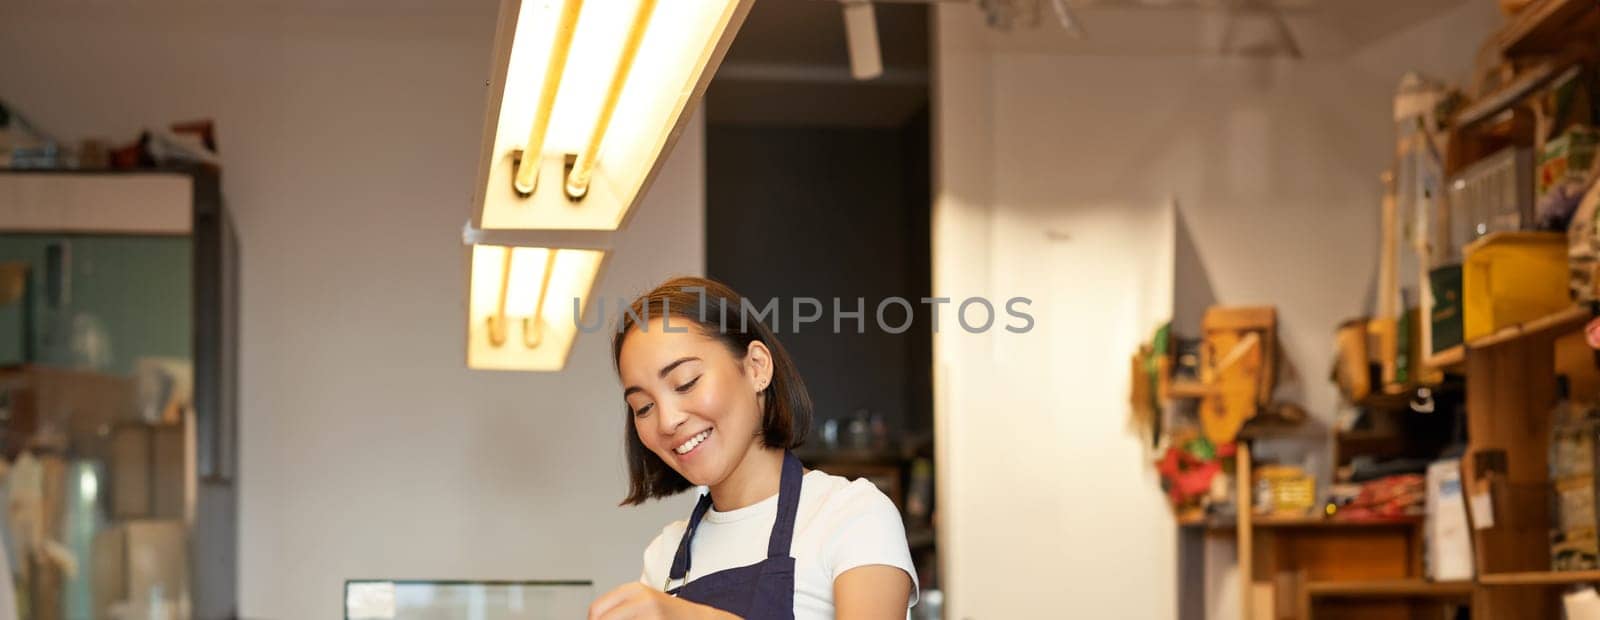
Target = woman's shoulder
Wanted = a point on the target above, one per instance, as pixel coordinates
(856, 524)
(844, 497)
(668, 538)
(658, 554)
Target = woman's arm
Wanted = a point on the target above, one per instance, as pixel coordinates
(871, 592)
(636, 601)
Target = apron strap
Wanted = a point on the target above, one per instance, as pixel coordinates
(782, 528)
(680, 562)
(788, 505)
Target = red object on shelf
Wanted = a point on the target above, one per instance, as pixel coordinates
(1195, 481)
(1387, 499)
(1186, 475)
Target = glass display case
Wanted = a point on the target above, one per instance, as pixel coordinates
(466, 600)
(117, 406)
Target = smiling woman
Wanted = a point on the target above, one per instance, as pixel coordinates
(714, 401)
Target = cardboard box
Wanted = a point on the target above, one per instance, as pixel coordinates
(75, 406)
(137, 560)
(148, 471)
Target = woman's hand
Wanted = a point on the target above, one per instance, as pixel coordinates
(636, 601)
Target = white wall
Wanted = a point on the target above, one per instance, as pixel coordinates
(349, 134)
(1054, 176)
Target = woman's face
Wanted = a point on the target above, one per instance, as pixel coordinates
(695, 404)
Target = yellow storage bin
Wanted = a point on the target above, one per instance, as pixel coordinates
(1510, 278)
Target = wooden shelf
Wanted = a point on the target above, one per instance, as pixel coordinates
(1390, 588)
(1260, 521)
(1264, 521)
(1540, 578)
(1566, 320)
(1546, 26)
(1394, 397)
(1503, 98)
(1450, 358)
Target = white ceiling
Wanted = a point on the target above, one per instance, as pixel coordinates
(1322, 28)
(789, 62)
(811, 31)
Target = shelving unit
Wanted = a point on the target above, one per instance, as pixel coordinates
(1373, 568)
(1305, 567)
(1383, 598)
(1302, 567)
(1367, 569)
(1541, 578)
(1510, 392)
(1510, 374)
(1547, 26)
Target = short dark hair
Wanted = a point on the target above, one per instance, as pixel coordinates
(717, 312)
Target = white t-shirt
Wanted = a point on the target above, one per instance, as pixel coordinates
(839, 525)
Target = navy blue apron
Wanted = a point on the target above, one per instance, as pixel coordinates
(760, 591)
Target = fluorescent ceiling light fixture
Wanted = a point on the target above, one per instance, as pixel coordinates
(585, 96)
(520, 313)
